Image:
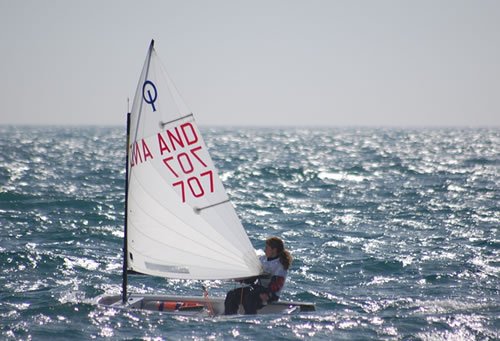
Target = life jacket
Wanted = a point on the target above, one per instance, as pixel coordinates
(276, 281)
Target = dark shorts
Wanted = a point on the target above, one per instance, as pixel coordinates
(250, 300)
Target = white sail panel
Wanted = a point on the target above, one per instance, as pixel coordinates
(181, 223)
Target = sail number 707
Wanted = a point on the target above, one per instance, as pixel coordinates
(195, 186)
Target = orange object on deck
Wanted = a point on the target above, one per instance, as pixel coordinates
(172, 305)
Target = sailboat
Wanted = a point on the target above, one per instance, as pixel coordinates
(179, 220)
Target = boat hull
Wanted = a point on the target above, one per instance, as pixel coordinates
(194, 305)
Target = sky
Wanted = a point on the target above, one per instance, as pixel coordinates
(255, 63)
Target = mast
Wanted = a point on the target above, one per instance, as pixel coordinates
(125, 244)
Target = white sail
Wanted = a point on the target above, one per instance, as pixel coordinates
(181, 223)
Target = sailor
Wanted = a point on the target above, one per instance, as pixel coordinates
(265, 288)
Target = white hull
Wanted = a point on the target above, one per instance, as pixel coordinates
(194, 305)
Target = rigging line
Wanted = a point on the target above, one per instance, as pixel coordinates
(209, 304)
(199, 209)
(163, 124)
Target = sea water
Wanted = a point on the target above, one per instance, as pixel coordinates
(395, 233)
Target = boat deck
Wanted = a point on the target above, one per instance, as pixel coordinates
(198, 305)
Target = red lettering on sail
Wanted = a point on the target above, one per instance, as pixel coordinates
(194, 152)
(139, 153)
(198, 187)
(186, 165)
(173, 138)
(192, 137)
(210, 175)
(183, 192)
(162, 144)
(136, 154)
(166, 161)
(145, 151)
(189, 171)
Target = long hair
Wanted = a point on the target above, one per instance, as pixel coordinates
(283, 254)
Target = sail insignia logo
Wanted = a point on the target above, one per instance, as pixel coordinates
(150, 98)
